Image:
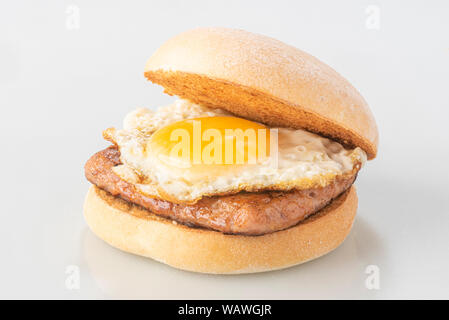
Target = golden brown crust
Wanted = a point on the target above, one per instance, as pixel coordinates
(263, 79)
(130, 228)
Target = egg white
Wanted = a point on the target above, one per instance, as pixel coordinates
(304, 160)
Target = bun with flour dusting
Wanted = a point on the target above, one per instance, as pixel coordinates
(263, 79)
(256, 78)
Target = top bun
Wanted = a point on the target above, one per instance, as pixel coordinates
(263, 79)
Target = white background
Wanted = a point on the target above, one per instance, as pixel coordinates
(60, 86)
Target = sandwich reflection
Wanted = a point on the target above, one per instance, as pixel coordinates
(337, 275)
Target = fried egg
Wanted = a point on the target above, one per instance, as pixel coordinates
(183, 152)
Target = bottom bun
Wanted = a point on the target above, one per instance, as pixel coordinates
(133, 229)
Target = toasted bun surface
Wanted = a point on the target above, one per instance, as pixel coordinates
(260, 78)
(132, 229)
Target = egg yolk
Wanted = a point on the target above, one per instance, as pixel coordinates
(214, 141)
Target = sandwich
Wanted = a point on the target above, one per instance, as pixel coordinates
(250, 169)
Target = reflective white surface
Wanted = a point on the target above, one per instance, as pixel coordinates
(59, 88)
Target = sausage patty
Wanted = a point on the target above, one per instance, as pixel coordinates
(242, 213)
